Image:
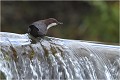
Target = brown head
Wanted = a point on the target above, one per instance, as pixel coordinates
(51, 22)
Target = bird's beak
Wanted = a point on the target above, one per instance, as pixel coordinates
(60, 23)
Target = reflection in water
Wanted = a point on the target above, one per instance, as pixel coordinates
(55, 58)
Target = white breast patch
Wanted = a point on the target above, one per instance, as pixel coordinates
(50, 25)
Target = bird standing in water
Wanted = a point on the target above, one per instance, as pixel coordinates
(40, 28)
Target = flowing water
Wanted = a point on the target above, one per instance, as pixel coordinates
(54, 58)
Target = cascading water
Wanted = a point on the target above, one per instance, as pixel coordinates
(55, 58)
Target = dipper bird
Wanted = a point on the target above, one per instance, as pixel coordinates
(40, 28)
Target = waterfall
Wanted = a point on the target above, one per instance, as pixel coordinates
(55, 58)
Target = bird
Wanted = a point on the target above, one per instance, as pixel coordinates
(40, 27)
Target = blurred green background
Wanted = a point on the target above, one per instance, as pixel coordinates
(83, 20)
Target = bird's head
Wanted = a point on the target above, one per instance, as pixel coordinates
(51, 22)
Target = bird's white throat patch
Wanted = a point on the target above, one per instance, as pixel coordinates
(50, 25)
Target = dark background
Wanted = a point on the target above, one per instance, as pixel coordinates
(83, 20)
